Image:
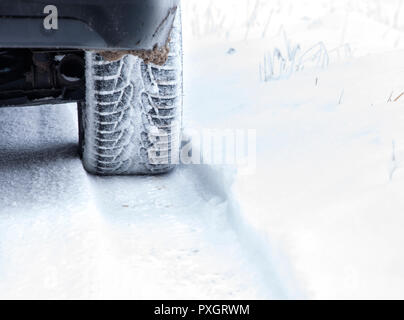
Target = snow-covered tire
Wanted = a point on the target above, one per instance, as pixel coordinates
(131, 122)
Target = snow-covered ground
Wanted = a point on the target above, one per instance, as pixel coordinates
(66, 234)
(328, 190)
(321, 217)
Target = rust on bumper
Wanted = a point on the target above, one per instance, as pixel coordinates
(157, 55)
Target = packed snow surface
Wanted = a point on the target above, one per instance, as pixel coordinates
(320, 217)
(66, 234)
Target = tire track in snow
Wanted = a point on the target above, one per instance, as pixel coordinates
(169, 242)
(65, 234)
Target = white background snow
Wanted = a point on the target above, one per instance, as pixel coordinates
(322, 216)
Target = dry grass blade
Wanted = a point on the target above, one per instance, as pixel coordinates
(401, 94)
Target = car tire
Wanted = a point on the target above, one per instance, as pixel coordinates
(131, 122)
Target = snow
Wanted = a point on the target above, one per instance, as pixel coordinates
(321, 217)
(327, 192)
(327, 188)
(66, 234)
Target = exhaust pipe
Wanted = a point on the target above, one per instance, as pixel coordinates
(71, 70)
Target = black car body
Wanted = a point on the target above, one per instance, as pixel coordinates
(87, 24)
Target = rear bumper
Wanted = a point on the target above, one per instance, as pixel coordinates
(88, 24)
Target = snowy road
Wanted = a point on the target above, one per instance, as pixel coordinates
(66, 234)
